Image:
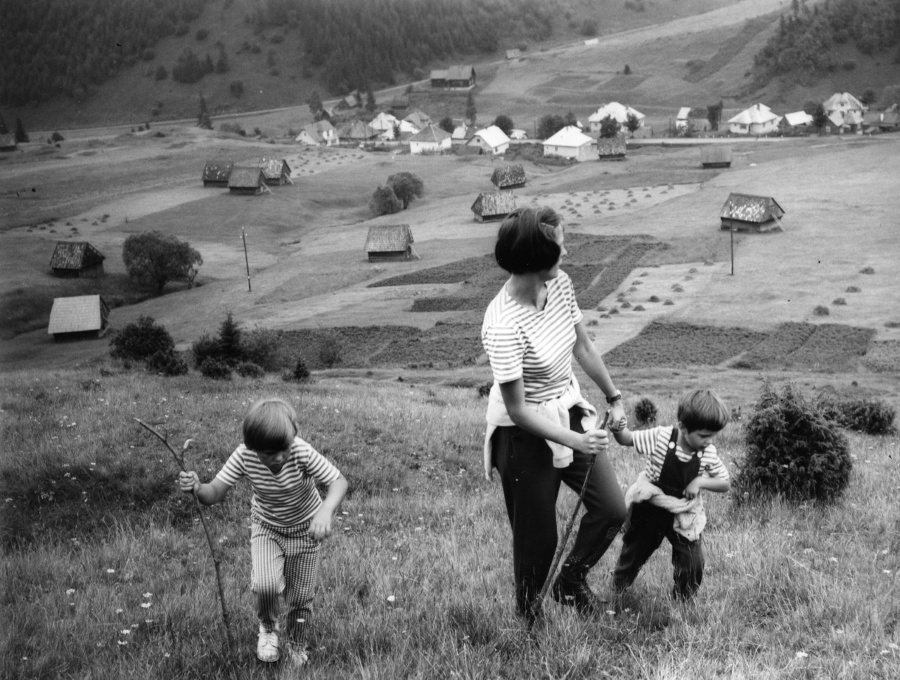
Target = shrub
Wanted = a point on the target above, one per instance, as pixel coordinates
(839, 301)
(330, 352)
(141, 340)
(300, 372)
(792, 451)
(866, 270)
(167, 363)
(821, 310)
(645, 412)
(852, 289)
(248, 369)
(215, 369)
(260, 347)
(204, 348)
(860, 415)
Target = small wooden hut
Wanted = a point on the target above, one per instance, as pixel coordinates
(247, 181)
(81, 316)
(744, 212)
(493, 205)
(389, 243)
(8, 141)
(216, 173)
(508, 176)
(76, 259)
(275, 171)
(715, 156)
(612, 148)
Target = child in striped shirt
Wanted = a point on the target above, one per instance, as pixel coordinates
(681, 461)
(288, 518)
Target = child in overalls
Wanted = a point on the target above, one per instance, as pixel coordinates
(665, 501)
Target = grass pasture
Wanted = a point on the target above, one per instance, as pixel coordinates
(107, 574)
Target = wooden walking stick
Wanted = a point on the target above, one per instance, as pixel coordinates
(561, 546)
(212, 550)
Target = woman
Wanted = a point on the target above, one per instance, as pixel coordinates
(540, 428)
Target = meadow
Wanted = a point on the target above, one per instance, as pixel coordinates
(107, 573)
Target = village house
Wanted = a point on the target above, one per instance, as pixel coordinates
(570, 142)
(385, 125)
(797, 122)
(617, 112)
(745, 212)
(357, 132)
(216, 173)
(78, 317)
(681, 120)
(455, 78)
(493, 205)
(491, 140)
(76, 259)
(755, 120)
(319, 133)
(389, 243)
(431, 139)
(351, 101)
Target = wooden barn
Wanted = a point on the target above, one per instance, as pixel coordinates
(744, 212)
(275, 171)
(612, 148)
(82, 316)
(508, 176)
(8, 142)
(76, 259)
(389, 243)
(494, 205)
(247, 181)
(715, 156)
(455, 77)
(217, 173)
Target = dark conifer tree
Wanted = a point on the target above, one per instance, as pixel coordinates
(471, 111)
(3, 128)
(203, 119)
(21, 135)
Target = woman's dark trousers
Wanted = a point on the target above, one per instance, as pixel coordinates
(530, 488)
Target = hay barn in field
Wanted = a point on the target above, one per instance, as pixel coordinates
(76, 259)
(275, 172)
(8, 142)
(247, 181)
(612, 148)
(389, 243)
(82, 316)
(508, 177)
(715, 156)
(494, 205)
(744, 212)
(217, 173)
(455, 77)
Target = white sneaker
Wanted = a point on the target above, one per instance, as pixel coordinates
(267, 647)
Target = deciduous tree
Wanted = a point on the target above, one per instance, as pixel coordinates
(504, 123)
(384, 201)
(609, 127)
(406, 187)
(156, 258)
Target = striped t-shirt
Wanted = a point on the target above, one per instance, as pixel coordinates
(288, 498)
(654, 442)
(531, 345)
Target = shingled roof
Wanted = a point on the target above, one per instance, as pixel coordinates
(508, 176)
(78, 314)
(388, 238)
(759, 212)
(75, 255)
(217, 172)
(493, 205)
(246, 178)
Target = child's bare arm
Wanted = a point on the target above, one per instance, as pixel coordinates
(320, 526)
(716, 484)
(623, 435)
(208, 494)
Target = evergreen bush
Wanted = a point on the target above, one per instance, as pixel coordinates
(215, 369)
(140, 340)
(205, 347)
(645, 412)
(861, 415)
(300, 372)
(792, 451)
(248, 369)
(168, 363)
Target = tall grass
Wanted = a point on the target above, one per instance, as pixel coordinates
(417, 580)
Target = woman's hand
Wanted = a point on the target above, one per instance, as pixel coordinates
(594, 442)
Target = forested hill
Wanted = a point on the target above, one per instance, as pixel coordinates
(807, 44)
(48, 47)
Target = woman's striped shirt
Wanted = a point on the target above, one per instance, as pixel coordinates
(531, 345)
(288, 498)
(654, 443)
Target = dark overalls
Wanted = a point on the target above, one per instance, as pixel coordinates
(648, 524)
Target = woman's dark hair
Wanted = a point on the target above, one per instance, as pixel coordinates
(526, 241)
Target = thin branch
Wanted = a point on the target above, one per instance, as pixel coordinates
(209, 540)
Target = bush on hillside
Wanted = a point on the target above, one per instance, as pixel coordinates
(205, 347)
(247, 369)
(299, 374)
(141, 340)
(645, 412)
(861, 415)
(792, 451)
(215, 369)
(168, 363)
(232, 347)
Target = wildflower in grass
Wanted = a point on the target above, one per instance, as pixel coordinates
(886, 571)
(801, 655)
(119, 611)
(125, 631)
(110, 571)
(122, 642)
(148, 595)
(391, 599)
(70, 591)
(145, 605)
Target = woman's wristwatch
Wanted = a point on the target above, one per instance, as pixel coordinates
(614, 398)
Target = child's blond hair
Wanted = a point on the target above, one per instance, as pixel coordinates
(702, 410)
(270, 425)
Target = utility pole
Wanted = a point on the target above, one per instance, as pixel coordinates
(247, 260)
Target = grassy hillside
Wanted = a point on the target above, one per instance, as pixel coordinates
(107, 573)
